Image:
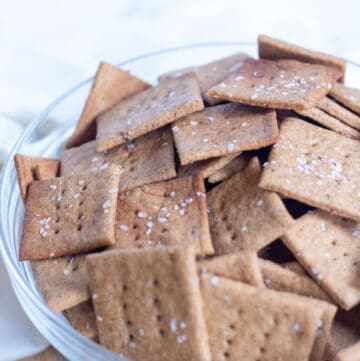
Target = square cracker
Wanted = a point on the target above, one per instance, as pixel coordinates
(315, 166)
(148, 110)
(164, 214)
(147, 159)
(223, 129)
(328, 246)
(240, 266)
(138, 310)
(248, 323)
(243, 216)
(350, 97)
(110, 86)
(236, 165)
(62, 281)
(349, 354)
(82, 318)
(282, 84)
(68, 215)
(25, 168)
(271, 48)
(211, 73)
(330, 122)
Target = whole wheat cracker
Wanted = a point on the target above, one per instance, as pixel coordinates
(271, 48)
(50, 354)
(110, 86)
(249, 323)
(315, 166)
(151, 109)
(223, 129)
(147, 159)
(281, 84)
(164, 214)
(327, 247)
(68, 215)
(138, 310)
(210, 74)
(351, 353)
(242, 216)
(47, 171)
(350, 97)
(240, 266)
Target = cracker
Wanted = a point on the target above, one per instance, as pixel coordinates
(271, 48)
(330, 122)
(138, 310)
(241, 266)
(62, 281)
(47, 170)
(243, 216)
(25, 168)
(68, 215)
(281, 84)
(111, 85)
(148, 110)
(294, 266)
(338, 111)
(147, 159)
(223, 129)
(249, 323)
(351, 353)
(164, 214)
(82, 318)
(350, 97)
(327, 246)
(210, 74)
(50, 354)
(315, 166)
(228, 170)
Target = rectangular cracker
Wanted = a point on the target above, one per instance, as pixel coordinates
(248, 323)
(281, 84)
(223, 129)
(151, 109)
(164, 214)
(68, 215)
(82, 318)
(315, 166)
(241, 266)
(138, 310)
(110, 86)
(210, 74)
(62, 281)
(25, 169)
(351, 353)
(327, 246)
(228, 170)
(271, 48)
(147, 159)
(243, 216)
(330, 122)
(350, 97)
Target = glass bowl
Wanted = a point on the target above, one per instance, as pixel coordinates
(45, 137)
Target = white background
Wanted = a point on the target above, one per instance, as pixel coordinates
(48, 46)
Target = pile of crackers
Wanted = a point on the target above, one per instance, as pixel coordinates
(212, 216)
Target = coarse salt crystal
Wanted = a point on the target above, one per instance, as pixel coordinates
(193, 123)
(162, 219)
(182, 325)
(113, 190)
(296, 327)
(94, 296)
(66, 271)
(141, 214)
(106, 204)
(53, 186)
(244, 229)
(239, 77)
(259, 202)
(175, 129)
(181, 339)
(214, 280)
(172, 194)
(99, 318)
(230, 147)
(173, 325)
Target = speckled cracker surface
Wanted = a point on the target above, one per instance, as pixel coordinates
(47, 170)
(164, 214)
(111, 85)
(148, 110)
(351, 353)
(138, 310)
(350, 97)
(223, 129)
(82, 318)
(282, 84)
(240, 266)
(50, 354)
(328, 246)
(249, 323)
(62, 281)
(147, 159)
(271, 48)
(211, 73)
(68, 215)
(315, 166)
(243, 216)
(236, 165)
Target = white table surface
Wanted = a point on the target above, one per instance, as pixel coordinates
(49, 46)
